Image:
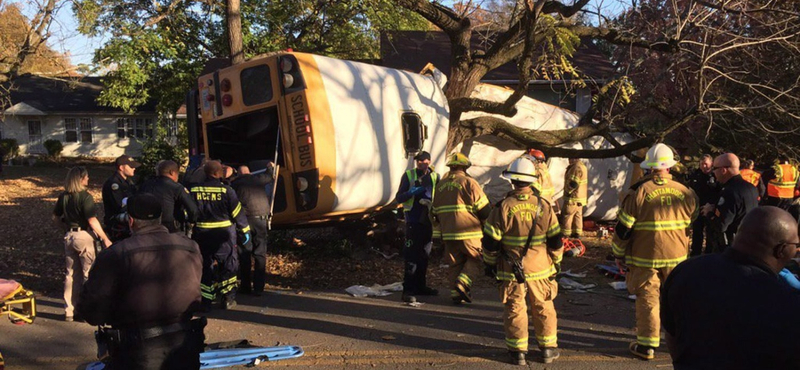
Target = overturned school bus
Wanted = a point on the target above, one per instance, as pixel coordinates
(340, 133)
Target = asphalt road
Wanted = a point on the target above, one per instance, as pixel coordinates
(338, 331)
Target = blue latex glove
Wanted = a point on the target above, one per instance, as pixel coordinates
(243, 239)
(417, 190)
(789, 278)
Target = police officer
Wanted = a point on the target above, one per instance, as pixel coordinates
(522, 249)
(736, 199)
(650, 238)
(575, 194)
(706, 186)
(221, 224)
(178, 207)
(146, 288)
(116, 190)
(417, 187)
(459, 208)
(252, 192)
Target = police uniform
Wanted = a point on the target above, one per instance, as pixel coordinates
(419, 231)
(781, 181)
(736, 199)
(707, 188)
(507, 230)
(459, 207)
(146, 288)
(252, 192)
(544, 185)
(220, 217)
(178, 207)
(651, 237)
(115, 189)
(575, 193)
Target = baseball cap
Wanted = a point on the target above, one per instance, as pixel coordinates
(144, 206)
(423, 155)
(126, 159)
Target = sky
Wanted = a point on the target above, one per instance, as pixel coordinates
(66, 39)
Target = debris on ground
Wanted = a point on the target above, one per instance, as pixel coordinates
(618, 285)
(569, 284)
(375, 290)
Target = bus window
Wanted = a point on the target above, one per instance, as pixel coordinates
(245, 138)
(256, 85)
(414, 133)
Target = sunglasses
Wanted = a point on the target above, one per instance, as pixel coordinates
(714, 168)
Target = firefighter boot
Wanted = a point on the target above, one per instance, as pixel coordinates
(464, 293)
(550, 354)
(517, 358)
(229, 302)
(641, 351)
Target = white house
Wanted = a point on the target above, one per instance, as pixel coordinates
(66, 109)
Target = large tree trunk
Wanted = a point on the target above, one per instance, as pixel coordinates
(234, 18)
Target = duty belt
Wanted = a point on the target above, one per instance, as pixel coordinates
(138, 335)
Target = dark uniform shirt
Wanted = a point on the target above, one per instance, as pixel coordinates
(705, 185)
(77, 210)
(728, 311)
(419, 212)
(252, 192)
(115, 189)
(736, 199)
(150, 279)
(176, 203)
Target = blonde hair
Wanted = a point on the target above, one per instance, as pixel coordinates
(74, 181)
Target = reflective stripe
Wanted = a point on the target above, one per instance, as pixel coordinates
(519, 241)
(626, 219)
(576, 200)
(246, 229)
(228, 285)
(237, 210)
(520, 344)
(508, 276)
(492, 231)
(566, 231)
(557, 257)
(464, 279)
(452, 209)
(462, 236)
(454, 294)
(437, 233)
(649, 341)
(653, 263)
(616, 250)
(489, 259)
(207, 189)
(547, 341)
(662, 225)
(412, 178)
(554, 230)
(214, 225)
(480, 203)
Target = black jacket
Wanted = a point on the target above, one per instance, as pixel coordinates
(176, 203)
(252, 192)
(115, 189)
(705, 185)
(736, 199)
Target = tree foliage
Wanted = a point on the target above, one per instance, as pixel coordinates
(156, 50)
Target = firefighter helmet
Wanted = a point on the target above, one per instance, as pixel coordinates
(458, 159)
(659, 157)
(537, 154)
(522, 169)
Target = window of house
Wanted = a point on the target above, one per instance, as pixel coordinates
(138, 128)
(78, 130)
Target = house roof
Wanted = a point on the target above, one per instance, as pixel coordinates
(412, 50)
(63, 95)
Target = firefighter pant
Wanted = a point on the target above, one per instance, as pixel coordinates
(253, 256)
(465, 263)
(416, 253)
(699, 228)
(79, 249)
(646, 284)
(572, 220)
(220, 262)
(540, 295)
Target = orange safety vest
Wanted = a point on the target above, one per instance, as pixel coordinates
(782, 186)
(751, 176)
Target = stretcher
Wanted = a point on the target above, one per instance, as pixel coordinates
(17, 302)
(249, 357)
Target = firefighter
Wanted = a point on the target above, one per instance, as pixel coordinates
(575, 193)
(523, 249)
(750, 175)
(221, 224)
(116, 191)
(417, 187)
(650, 239)
(459, 209)
(179, 209)
(544, 183)
(781, 181)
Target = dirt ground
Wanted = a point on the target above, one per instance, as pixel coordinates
(331, 258)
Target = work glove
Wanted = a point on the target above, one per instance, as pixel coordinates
(417, 190)
(490, 270)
